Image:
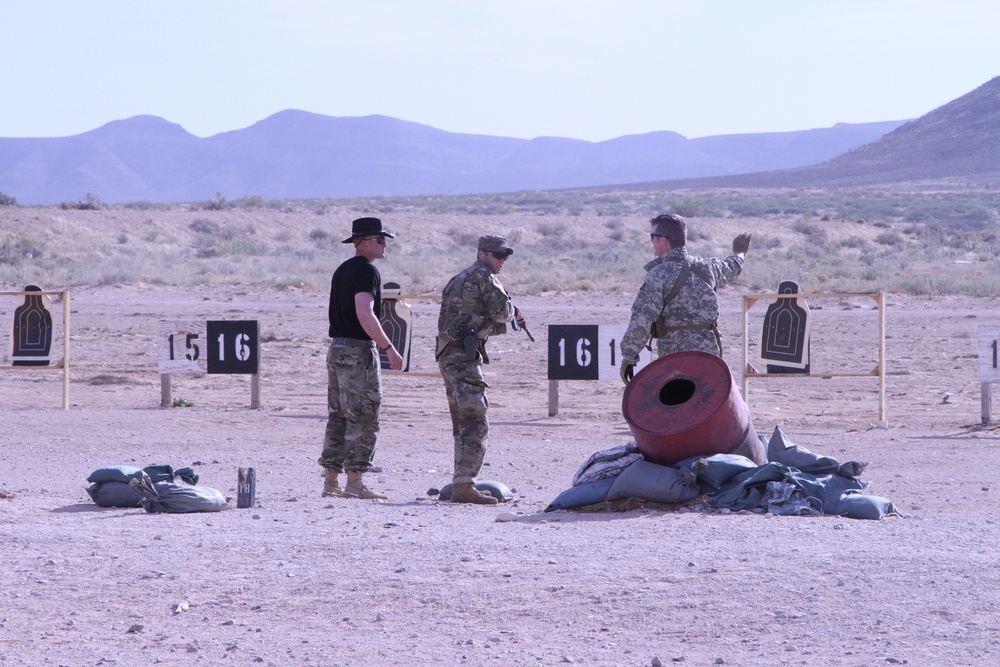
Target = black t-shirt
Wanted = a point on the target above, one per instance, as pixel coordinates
(354, 276)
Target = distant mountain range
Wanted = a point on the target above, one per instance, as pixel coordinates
(302, 155)
(957, 144)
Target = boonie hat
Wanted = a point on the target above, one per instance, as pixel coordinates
(366, 227)
(491, 243)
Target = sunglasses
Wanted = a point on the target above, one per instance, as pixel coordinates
(499, 255)
(656, 236)
(377, 239)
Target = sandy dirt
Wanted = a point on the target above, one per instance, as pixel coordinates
(304, 580)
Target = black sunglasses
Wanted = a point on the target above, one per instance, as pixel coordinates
(656, 236)
(499, 255)
(377, 239)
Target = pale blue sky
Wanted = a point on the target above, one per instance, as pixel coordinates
(587, 69)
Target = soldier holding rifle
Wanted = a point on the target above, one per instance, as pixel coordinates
(474, 306)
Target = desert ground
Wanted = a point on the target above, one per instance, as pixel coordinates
(303, 580)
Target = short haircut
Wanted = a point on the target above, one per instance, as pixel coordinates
(672, 227)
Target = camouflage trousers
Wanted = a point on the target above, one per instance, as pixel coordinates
(354, 398)
(463, 381)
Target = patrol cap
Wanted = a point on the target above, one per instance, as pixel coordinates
(367, 227)
(491, 243)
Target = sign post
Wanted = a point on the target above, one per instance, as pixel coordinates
(585, 352)
(213, 347)
(989, 369)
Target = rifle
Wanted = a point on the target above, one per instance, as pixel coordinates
(517, 327)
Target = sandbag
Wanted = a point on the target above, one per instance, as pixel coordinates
(650, 481)
(859, 506)
(120, 474)
(114, 494)
(498, 490)
(782, 450)
(157, 472)
(606, 463)
(177, 498)
(588, 493)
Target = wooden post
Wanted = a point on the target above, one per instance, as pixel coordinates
(883, 419)
(246, 488)
(255, 391)
(553, 398)
(164, 390)
(65, 384)
(986, 398)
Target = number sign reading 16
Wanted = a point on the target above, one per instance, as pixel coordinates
(234, 348)
(582, 352)
(240, 342)
(587, 352)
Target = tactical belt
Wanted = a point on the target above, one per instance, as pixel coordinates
(353, 342)
(661, 329)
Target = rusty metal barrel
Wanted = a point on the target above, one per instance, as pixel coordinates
(686, 404)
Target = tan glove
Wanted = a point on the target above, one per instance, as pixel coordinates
(741, 244)
(627, 371)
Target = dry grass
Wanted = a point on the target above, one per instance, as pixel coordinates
(564, 241)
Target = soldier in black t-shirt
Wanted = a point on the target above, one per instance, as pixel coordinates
(355, 382)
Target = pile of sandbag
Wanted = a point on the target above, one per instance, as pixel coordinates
(794, 481)
(155, 488)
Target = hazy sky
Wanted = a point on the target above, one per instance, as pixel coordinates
(587, 69)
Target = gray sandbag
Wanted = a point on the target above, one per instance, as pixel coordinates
(114, 494)
(859, 506)
(158, 472)
(588, 493)
(782, 450)
(177, 498)
(650, 481)
(120, 474)
(498, 490)
(606, 463)
(714, 471)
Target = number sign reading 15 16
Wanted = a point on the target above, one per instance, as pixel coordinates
(587, 352)
(216, 346)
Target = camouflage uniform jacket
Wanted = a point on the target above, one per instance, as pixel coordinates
(695, 305)
(473, 303)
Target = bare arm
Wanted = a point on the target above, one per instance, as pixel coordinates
(364, 304)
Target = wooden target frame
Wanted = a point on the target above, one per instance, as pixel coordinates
(62, 363)
(878, 372)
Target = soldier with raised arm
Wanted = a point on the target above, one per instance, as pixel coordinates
(677, 303)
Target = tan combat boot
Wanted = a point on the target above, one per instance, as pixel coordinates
(467, 492)
(331, 485)
(356, 488)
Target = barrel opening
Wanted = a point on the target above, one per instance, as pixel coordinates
(676, 392)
